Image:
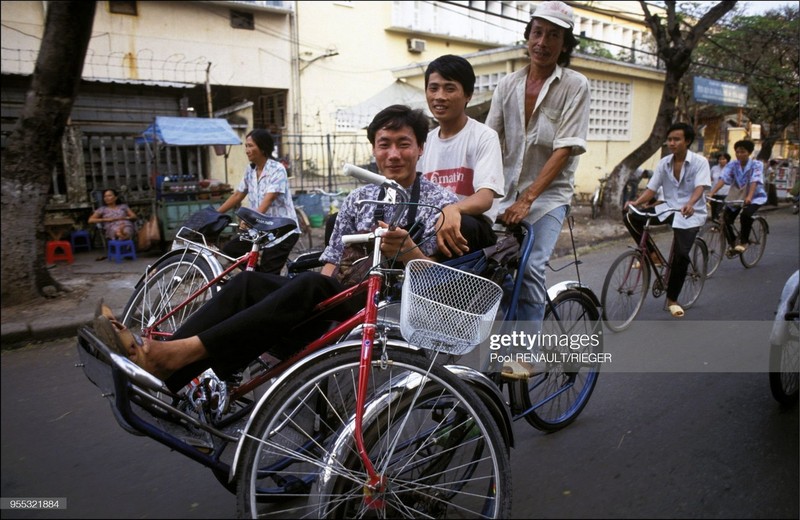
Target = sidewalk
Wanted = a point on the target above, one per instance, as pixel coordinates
(89, 280)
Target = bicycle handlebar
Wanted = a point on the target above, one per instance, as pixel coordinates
(358, 238)
(369, 177)
(643, 214)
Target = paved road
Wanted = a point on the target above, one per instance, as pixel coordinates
(672, 445)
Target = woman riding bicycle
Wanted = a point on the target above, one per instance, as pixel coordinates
(255, 306)
(683, 176)
(266, 186)
(746, 176)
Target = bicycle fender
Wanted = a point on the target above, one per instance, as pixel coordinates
(491, 396)
(273, 385)
(790, 293)
(567, 285)
(216, 268)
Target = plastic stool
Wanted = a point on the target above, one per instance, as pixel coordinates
(58, 250)
(80, 240)
(119, 249)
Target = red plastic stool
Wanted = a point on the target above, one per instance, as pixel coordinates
(58, 250)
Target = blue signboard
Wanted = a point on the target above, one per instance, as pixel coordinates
(719, 93)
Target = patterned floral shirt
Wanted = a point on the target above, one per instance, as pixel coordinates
(353, 218)
(273, 180)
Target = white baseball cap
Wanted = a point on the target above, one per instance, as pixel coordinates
(558, 13)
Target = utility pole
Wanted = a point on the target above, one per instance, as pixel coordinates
(208, 90)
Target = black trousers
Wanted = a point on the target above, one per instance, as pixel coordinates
(478, 232)
(682, 240)
(747, 222)
(716, 207)
(272, 258)
(256, 313)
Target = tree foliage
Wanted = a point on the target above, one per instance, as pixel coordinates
(32, 148)
(763, 53)
(676, 37)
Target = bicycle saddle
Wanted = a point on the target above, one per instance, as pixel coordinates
(265, 224)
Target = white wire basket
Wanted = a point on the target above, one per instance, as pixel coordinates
(445, 309)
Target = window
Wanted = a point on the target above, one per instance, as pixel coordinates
(122, 8)
(270, 112)
(242, 20)
(484, 82)
(610, 110)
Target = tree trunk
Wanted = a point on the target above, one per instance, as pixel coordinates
(675, 45)
(32, 149)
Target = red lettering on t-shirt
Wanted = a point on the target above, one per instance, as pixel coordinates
(458, 180)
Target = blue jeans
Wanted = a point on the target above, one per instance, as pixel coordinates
(533, 294)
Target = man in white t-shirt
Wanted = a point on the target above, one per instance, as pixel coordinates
(463, 155)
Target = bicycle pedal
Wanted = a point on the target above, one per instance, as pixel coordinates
(198, 444)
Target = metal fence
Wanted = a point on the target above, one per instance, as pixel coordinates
(314, 161)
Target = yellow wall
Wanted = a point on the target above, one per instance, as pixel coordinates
(367, 53)
(166, 41)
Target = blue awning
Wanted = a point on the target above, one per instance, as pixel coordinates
(189, 131)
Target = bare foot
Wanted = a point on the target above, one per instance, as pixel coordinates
(148, 358)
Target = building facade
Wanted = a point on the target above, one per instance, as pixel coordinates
(303, 70)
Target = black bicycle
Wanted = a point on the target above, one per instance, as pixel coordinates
(714, 235)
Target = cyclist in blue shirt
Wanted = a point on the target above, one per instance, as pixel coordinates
(747, 175)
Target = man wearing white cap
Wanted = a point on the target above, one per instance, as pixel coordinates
(541, 114)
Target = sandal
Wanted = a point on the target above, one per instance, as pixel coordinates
(519, 370)
(120, 340)
(676, 310)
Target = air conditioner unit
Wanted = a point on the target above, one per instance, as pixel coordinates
(416, 45)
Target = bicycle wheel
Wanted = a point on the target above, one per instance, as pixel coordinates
(596, 203)
(436, 447)
(557, 395)
(695, 275)
(715, 241)
(168, 284)
(757, 243)
(624, 290)
(784, 362)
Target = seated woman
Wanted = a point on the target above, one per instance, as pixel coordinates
(230, 330)
(744, 175)
(117, 219)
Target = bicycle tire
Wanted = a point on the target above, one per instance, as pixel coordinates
(695, 274)
(291, 439)
(715, 241)
(756, 244)
(306, 241)
(784, 362)
(624, 290)
(559, 394)
(167, 284)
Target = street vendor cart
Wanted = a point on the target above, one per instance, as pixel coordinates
(182, 192)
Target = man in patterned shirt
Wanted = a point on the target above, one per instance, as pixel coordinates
(255, 310)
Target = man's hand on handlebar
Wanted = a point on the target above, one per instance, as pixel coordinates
(516, 212)
(397, 243)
